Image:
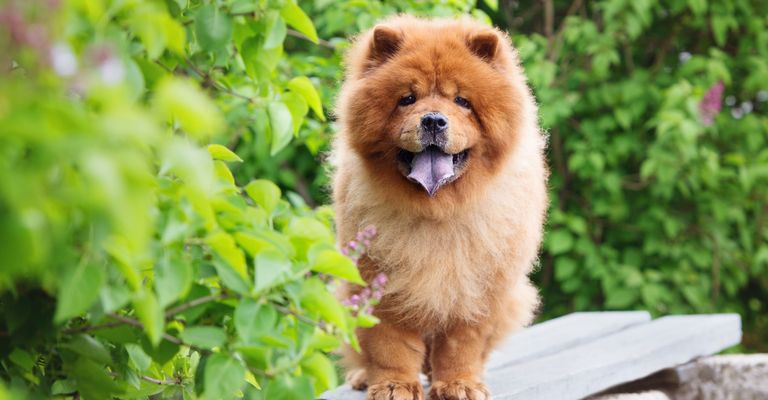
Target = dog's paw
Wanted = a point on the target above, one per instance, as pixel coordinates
(357, 378)
(458, 390)
(395, 391)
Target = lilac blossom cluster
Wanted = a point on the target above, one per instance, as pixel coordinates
(711, 103)
(358, 246)
(368, 297)
(101, 65)
(371, 295)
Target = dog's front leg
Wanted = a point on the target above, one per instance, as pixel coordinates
(393, 357)
(457, 358)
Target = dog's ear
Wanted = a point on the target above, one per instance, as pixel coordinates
(384, 44)
(484, 45)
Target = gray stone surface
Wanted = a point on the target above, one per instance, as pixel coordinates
(647, 395)
(727, 377)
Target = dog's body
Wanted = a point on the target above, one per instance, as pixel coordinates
(439, 148)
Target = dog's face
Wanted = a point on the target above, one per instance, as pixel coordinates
(429, 107)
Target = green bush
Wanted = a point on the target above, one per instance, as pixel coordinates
(658, 196)
(132, 264)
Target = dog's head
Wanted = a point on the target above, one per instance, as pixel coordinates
(432, 106)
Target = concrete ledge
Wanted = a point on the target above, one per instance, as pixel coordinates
(725, 377)
(649, 395)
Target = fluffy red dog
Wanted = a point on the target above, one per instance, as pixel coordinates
(439, 148)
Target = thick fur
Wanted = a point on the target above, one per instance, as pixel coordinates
(457, 262)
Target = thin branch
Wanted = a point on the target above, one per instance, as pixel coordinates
(163, 66)
(159, 381)
(320, 42)
(137, 324)
(302, 318)
(557, 40)
(208, 81)
(196, 302)
(639, 184)
(549, 21)
(89, 328)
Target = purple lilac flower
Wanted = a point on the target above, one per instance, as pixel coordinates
(371, 295)
(711, 103)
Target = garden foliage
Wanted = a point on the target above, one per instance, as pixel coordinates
(133, 264)
(657, 117)
(161, 173)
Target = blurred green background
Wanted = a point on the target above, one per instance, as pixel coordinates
(113, 215)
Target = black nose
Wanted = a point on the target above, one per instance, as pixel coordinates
(434, 122)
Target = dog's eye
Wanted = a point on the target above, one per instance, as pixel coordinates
(462, 102)
(407, 100)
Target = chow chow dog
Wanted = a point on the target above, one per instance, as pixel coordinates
(439, 148)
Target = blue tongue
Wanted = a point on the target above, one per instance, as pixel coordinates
(431, 168)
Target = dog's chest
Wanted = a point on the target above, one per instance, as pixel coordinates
(441, 271)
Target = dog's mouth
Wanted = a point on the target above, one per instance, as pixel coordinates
(432, 168)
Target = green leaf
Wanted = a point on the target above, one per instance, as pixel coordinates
(150, 315)
(276, 32)
(295, 17)
(282, 126)
(219, 152)
(565, 268)
(175, 35)
(224, 376)
(323, 341)
(206, 337)
(78, 290)
(173, 278)
(230, 278)
(63, 387)
(308, 228)
(88, 346)
(366, 320)
(265, 193)
(22, 358)
(316, 299)
(138, 357)
(322, 370)
(492, 4)
(253, 319)
(298, 108)
(148, 27)
(183, 101)
(270, 267)
(287, 387)
(251, 244)
(225, 176)
(621, 297)
(256, 356)
(560, 241)
(114, 297)
(161, 353)
(334, 263)
(213, 28)
(93, 381)
(224, 245)
(303, 86)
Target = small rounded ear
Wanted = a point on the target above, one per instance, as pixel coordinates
(386, 41)
(484, 45)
